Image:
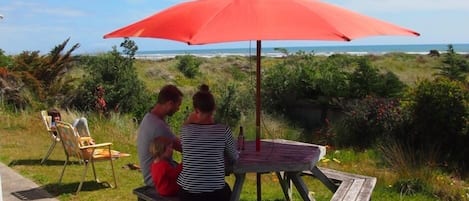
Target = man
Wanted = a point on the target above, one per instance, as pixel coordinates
(154, 125)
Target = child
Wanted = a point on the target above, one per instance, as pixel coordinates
(55, 114)
(55, 117)
(164, 171)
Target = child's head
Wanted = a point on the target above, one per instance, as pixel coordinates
(161, 147)
(55, 114)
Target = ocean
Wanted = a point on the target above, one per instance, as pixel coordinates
(318, 50)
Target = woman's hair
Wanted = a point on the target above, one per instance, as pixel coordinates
(204, 88)
(203, 99)
(159, 146)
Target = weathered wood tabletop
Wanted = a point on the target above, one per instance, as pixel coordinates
(287, 158)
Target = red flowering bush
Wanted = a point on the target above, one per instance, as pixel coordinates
(369, 119)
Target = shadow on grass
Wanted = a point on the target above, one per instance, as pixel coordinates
(57, 189)
(38, 162)
(32, 194)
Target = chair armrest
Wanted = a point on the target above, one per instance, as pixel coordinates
(97, 145)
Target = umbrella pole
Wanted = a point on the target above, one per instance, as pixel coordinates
(258, 95)
(258, 112)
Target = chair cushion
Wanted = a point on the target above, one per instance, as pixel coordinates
(102, 153)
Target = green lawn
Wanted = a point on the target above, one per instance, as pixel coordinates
(24, 141)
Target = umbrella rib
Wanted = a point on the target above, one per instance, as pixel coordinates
(338, 33)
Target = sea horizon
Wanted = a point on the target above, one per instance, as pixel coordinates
(317, 50)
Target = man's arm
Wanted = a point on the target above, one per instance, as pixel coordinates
(177, 144)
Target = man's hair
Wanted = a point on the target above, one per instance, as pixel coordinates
(169, 93)
(159, 146)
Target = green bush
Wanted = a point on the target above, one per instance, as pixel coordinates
(366, 80)
(439, 111)
(124, 91)
(453, 66)
(324, 84)
(389, 85)
(188, 65)
(228, 111)
(301, 77)
(43, 78)
(5, 60)
(279, 88)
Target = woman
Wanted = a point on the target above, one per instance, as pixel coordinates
(204, 146)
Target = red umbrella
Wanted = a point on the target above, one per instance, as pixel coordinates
(215, 21)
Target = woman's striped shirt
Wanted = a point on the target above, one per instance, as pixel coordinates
(204, 148)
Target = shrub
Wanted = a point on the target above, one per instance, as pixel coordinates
(453, 66)
(5, 60)
(439, 115)
(366, 80)
(278, 88)
(42, 77)
(389, 85)
(363, 79)
(125, 92)
(188, 65)
(368, 120)
(302, 77)
(228, 111)
(434, 53)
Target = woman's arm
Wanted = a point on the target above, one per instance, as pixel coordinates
(230, 148)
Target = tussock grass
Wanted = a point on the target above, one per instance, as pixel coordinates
(411, 177)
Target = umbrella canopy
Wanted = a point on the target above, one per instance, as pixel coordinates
(215, 21)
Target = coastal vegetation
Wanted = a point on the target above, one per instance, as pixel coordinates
(403, 118)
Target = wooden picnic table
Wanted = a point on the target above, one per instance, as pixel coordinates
(288, 159)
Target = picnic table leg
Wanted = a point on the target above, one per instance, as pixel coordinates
(323, 178)
(259, 189)
(300, 185)
(285, 182)
(238, 186)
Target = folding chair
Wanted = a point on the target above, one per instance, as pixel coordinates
(47, 120)
(75, 146)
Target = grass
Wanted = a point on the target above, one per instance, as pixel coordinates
(24, 141)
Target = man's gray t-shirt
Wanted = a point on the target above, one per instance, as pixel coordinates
(150, 128)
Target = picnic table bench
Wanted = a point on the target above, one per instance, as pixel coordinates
(148, 193)
(346, 186)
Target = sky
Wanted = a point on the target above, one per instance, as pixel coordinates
(40, 25)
